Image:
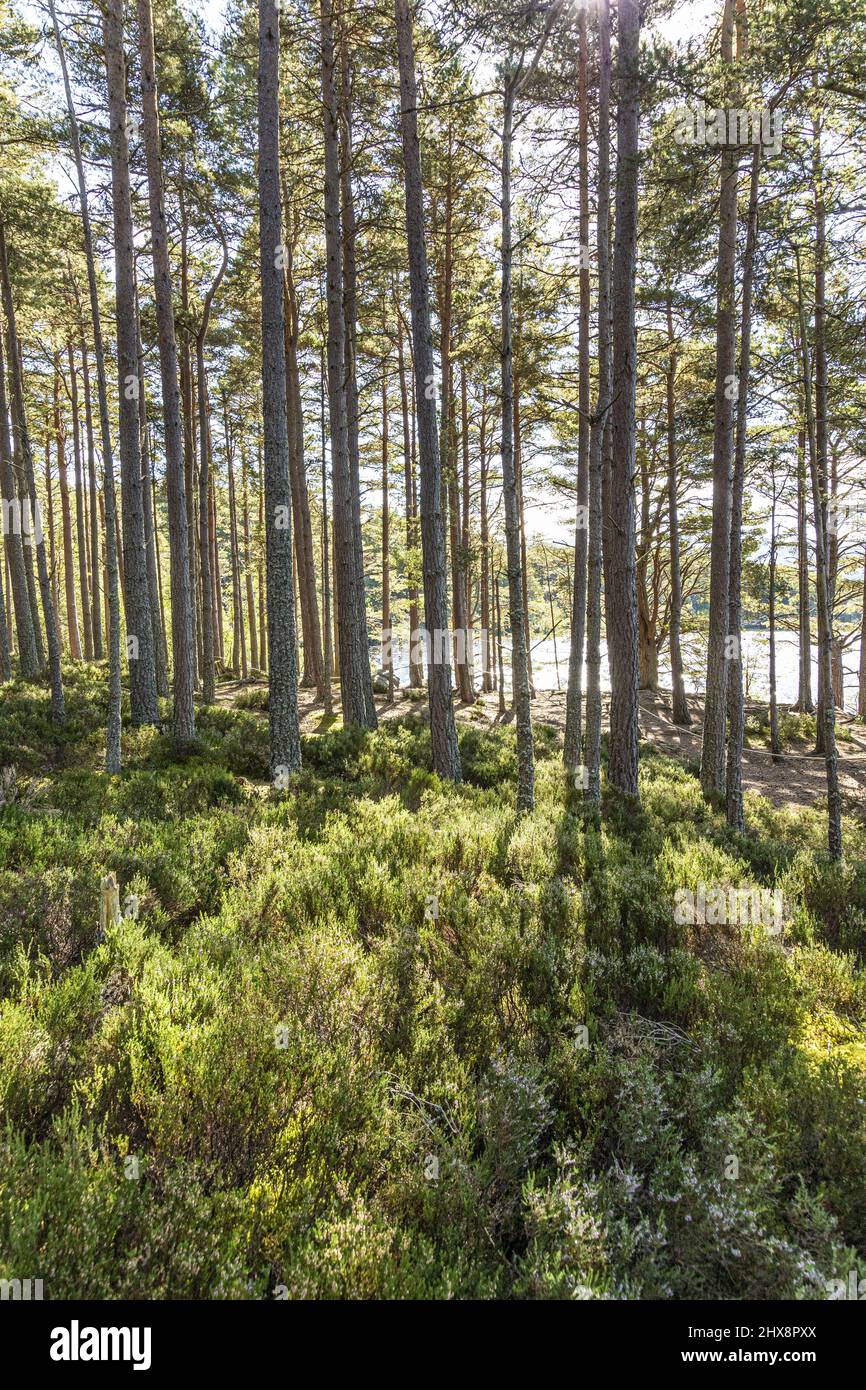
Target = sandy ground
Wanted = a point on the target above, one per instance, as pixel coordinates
(796, 779)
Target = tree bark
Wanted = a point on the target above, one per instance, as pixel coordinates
(574, 697)
(679, 704)
(84, 590)
(179, 539)
(356, 689)
(74, 636)
(446, 757)
(285, 742)
(736, 709)
(620, 536)
(19, 425)
(28, 655)
(600, 432)
(825, 628)
(140, 653)
(713, 749)
(519, 662)
(108, 500)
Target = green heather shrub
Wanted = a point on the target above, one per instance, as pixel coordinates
(377, 1037)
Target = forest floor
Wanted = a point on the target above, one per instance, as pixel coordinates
(797, 778)
(379, 1036)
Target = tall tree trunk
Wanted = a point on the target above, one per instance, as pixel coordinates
(679, 704)
(775, 742)
(95, 572)
(159, 642)
(248, 571)
(713, 749)
(208, 671)
(387, 635)
(285, 741)
(5, 657)
(825, 624)
(574, 697)
(28, 655)
(66, 522)
(107, 501)
(207, 577)
(521, 519)
(736, 709)
(820, 398)
(52, 548)
(861, 687)
(327, 654)
(497, 604)
(600, 433)
(516, 609)
(416, 668)
(488, 674)
(178, 524)
(303, 527)
(140, 652)
(443, 730)
(648, 654)
(239, 645)
(219, 648)
(19, 425)
(356, 687)
(620, 537)
(804, 617)
(84, 591)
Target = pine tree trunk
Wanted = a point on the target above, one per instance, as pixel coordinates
(327, 653)
(159, 642)
(239, 646)
(805, 702)
(5, 656)
(112, 594)
(736, 709)
(66, 523)
(86, 619)
(95, 571)
(718, 649)
(183, 637)
(387, 635)
(861, 688)
(600, 433)
(19, 425)
(416, 667)
(303, 527)
(208, 672)
(620, 534)
(52, 549)
(356, 688)
(446, 757)
(679, 704)
(140, 653)
(516, 605)
(825, 630)
(28, 655)
(285, 742)
(488, 674)
(775, 742)
(248, 572)
(574, 697)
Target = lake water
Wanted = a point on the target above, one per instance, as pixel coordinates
(756, 662)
